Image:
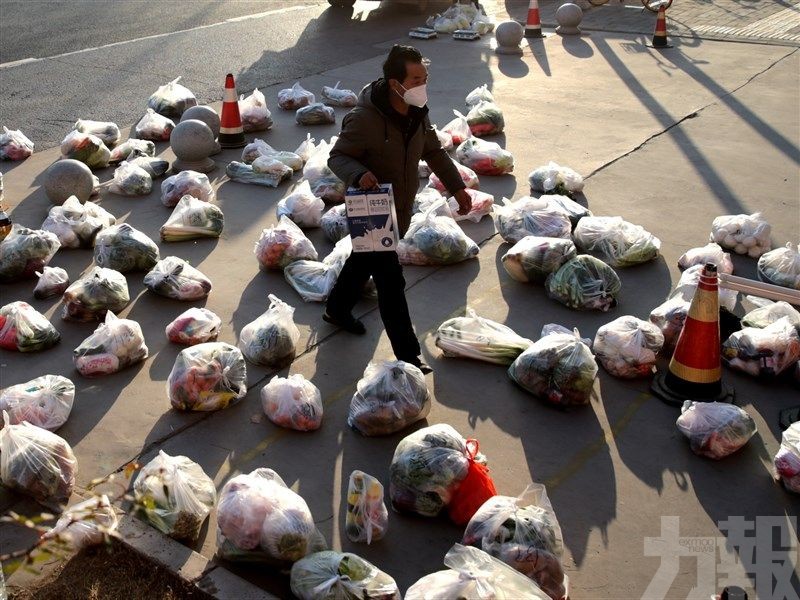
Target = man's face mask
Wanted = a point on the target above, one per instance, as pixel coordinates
(416, 96)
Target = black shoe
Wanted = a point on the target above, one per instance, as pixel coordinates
(421, 365)
(348, 323)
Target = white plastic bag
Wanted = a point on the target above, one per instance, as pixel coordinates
(787, 460)
(715, 429)
(271, 340)
(106, 131)
(154, 166)
(482, 204)
(324, 183)
(445, 139)
(208, 376)
(315, 114)
(781, 266)
(330, 575)
(367, 517)
(265, 171)
(100, 290)
(186, 183)
(766, 352)
(75, 224)
(172, 99)
(584, 283)
(258, 148)
(129, 146)
(25, 251)
(114, 345)
(485, 158)
(533, 258)
(87, 148)
(530, 216)
(173, 277)
(293, 403)
(687, 286)
(458, 128)
(553, 178)
(773, 311)
(14, 145)
(472, 336)
(52, 282)
(334, 223)
(302, 206)
(439, 239)
(628, 347)
(282, 244)
(254, 112)
(25, 329)
(616, 241)
(314, 280)
(423, 170)
(124, 248)
(191, 219)
(569, 207)
(710, 253)
(294, 97)
(551, 328)
(85, 524)
(478, 95)
(131, 180)
(336, 96)
(194, 326)
(306, 148)
(485, 118)
(744, 234)
(45, 401)
(154, 127)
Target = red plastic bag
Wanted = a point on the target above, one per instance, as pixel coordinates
(476, 488)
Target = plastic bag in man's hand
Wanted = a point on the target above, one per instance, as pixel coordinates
(208, 376)
(45, 401)
(367, 518)
(293, 403)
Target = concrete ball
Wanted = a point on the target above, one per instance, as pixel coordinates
(206, 114)
(509, 33)
(192, 140)
(569, 15)
(68, 177)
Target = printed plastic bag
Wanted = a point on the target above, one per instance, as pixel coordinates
(125, 248)
(336, 96)
(315, 114)
(153, 166)
(616, 241)
(194, 326)
(268, 172)
(75, 224)
(131, 180)
(553, 178)
(390, 396)
(154, 127)
(208, 376)
(524, 533)
(475, 575)
(114, 345)
(283, 244)
(458, 129)
(530, 216)
(485, 158)
(45, 401)
(367, 518)
(584, 283)
(254, 112)
(478, 95)
(767, 315)
(744, 234)
(485, 118)
(445, 139)
(334, 223)
(314, 280)
(14, 145)
(559, 368)
(24, 329)
(107, 132)
(330, 575)
(781, 267)
(306, 148)
(628, 347)
(52, 282)
(301, 206)
(25, 251)
(295, 97)
(172, 99)
(472, 336)
(766, 352)
(438, 238)
(271, 340)
(293, 403)
(324, 183)
(710, 253)
(715, 429)
(186, 183)
(124, 150)
(85, 524)
(98, 291)
(787, 460)
(192, 219)
(174, 495)
(569, 207)
(533, 258)
(36, 462)
(174, 278)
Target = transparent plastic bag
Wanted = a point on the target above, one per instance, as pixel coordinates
(485, 158)
(295, 97)
(172, 99)
(781, 267)
(45, 401)
(616, 241)
(25, 251)
(14, 145)
(766, 352)
(448, 22)
(472, 336)
(367, 517)
(208, 376)
(186, 183)
(254, 112)
(787, 459)
(710, 253)
(324, 182)
(445, 139)
(293, 403)
(302, 206)
(715, 429)
(75, 224)
(174, 278)
(482, 205)
(131, 180)
(153, 166)
(258, 148)
(265, 171)
(426, 198)
(282, 244)
(98, 291)
(439, 238)
(315, 114)
(154, 127)
(553, 178)
(744, 234)
(559, 368)
(114, 345)
(306, 148)
(551, 328)
(390, 396)
(52, 282)
(478, 95)
(584, 283)
(524, 533)
(628, 347)
(687, 286)
(193, 219)
(107, 132)
(475, 575)
(330, 575)
(87, 148)
(85, 524)
(458, 129)
(533, 258)
(125, 248)
(271, 340)
(569, 207)
(314, 280)
(767, 315)
(485, 118)
(334, 223)
(128, 147)
(36, 462)
(194, 326)
(174, 495)
(336, 96)
(24, 329)
(530, 216)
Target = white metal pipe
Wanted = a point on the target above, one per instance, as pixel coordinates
(759, 288)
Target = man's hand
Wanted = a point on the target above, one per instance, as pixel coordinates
(464, 201)
(368, 181)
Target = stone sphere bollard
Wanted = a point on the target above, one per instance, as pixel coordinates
(569, 16)
(207, 115)
(508, 35)
(68, 177)
(192, 142)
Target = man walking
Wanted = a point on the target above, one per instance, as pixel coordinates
(382, 141)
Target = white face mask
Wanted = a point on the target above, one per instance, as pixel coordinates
(416, 96)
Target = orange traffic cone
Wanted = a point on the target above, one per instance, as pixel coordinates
(695, 371)
(660, 34)
(231, 133)
(533, 26)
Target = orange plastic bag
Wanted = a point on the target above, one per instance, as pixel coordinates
(476, 488)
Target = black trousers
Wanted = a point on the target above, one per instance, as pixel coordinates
(385, 269)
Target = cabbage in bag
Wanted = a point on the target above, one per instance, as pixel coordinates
(781, 267)
(193, 219)
(584, 283)
(186, 183)
(439, 239)
(617, 242)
